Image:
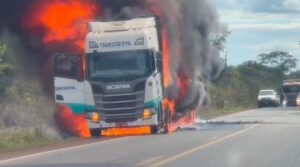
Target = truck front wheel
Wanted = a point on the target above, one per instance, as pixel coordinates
(95, 132)
(155, 129)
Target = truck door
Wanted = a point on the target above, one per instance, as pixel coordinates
(69, 82)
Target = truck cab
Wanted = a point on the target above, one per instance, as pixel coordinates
(118, 81)
(290, 92)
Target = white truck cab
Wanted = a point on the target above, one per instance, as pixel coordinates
(121, 81)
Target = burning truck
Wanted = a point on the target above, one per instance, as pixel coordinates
(119, 83)
(128, 70)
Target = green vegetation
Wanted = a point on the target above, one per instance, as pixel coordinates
(26, 113)
(6, 68)
(238, 86)
(16, 139)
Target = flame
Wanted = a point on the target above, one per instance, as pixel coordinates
(62, 21)
(166, 58)
(182, 84)
(62, 26)
(187, 120)
(127, 131)
(73, 124)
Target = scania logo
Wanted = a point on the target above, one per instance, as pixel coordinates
(118, 86)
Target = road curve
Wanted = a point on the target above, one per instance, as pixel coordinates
(256, 138)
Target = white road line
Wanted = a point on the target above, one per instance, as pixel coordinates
(201, 147)
(149, 161)
(61, 150)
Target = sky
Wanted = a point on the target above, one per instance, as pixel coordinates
(260, 26)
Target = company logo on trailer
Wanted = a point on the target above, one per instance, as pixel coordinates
(118, 86)
(65, 88)
(119, 44)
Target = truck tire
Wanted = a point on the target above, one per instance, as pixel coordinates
(155, 129)
(160, 119)
(95, 132)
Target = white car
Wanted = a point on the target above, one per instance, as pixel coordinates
(268, 97)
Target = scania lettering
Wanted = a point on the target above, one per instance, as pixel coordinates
(119, 80)
(113, 87)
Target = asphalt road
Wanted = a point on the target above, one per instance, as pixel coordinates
(257, 138)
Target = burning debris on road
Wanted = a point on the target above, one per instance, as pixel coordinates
(190, 61)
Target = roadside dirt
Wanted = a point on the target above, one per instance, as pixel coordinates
(56, 145)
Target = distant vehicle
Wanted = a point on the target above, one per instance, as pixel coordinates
(268, 98)
(290, 92)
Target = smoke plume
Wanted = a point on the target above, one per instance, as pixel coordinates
(188, 25)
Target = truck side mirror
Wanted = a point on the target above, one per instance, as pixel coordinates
(68, 66)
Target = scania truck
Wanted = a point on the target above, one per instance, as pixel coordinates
(118, 82)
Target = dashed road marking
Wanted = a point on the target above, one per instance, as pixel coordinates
(149, 161)
(201, 147)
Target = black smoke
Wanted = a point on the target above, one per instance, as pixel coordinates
(189, 25)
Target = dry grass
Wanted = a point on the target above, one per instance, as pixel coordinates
(17, 139)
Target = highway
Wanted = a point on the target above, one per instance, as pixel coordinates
(257, 138)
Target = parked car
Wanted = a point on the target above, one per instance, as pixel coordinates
(267, 98)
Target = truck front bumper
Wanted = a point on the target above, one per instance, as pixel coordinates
(151, 121)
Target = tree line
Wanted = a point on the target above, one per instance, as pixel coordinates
(238, 86)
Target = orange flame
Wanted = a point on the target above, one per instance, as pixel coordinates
(166, 58)
(62, 21)
(127, 131)
(182, 83)
(73, 124)
(187, 120)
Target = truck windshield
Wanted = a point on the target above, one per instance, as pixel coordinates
(125, 64)
(291, 88)
(266, 93)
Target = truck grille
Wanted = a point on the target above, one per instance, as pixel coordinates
(123, 107)
(291, 100)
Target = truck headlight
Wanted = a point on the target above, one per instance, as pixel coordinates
(298, 101)
(147, 114)
(93, 116)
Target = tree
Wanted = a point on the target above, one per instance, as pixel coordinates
(278, 59)
(294, 75)
(6, 68)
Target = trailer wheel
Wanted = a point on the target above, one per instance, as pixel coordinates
(95, 132)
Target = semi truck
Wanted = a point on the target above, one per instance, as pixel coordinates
(118, 82)
(291, 92)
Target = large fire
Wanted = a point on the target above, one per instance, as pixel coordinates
(73, 124)
(127, 131)
(64, 22)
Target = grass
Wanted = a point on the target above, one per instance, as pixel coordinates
(18, 139)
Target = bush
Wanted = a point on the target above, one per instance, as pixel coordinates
(238, 87)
